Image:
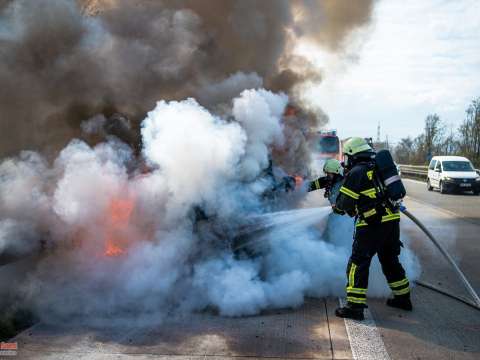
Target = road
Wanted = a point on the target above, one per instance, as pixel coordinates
(466, 206)
(455, 221)
(439, 327)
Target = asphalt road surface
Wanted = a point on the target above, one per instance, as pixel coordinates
(439, 327)
(454, 220)
(462, 205)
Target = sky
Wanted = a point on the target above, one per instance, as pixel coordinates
(416, 58)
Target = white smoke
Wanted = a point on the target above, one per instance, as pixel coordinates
(94, 125)
(196, 153)
(23, 186)
(17, 237)
(258, 113)
(91, 177)
(171, 229)
(24, 204)
(235, 287)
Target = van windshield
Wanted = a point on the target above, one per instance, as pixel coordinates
(457, 166)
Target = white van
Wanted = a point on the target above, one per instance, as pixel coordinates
(452, 173)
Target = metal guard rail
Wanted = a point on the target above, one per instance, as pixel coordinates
(418, 171)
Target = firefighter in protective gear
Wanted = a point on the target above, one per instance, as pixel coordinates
(331, 182)
(377, 231)
(338, 229)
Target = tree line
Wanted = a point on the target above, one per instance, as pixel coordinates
(438, 139)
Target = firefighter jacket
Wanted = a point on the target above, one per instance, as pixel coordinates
(360, 197)
(332, 189)
(331, 185)
(320, 183)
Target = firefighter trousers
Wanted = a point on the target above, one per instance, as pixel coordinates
(384, 240)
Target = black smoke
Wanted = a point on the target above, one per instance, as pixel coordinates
(64, 61)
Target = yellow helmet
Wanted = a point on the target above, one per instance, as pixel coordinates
(355, 145)
(333, 166)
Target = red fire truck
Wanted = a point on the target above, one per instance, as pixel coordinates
(326, 145)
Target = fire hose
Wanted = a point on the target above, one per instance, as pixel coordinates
(452, 262)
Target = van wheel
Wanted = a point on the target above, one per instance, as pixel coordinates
(429, 186)
(442, 189)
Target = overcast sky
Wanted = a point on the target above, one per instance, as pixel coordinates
(420, 57)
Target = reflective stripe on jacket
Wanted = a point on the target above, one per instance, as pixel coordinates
(358, 196)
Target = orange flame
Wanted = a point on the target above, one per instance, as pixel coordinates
(118, 218)
(112, 249)
(298, 181)
(290, 110)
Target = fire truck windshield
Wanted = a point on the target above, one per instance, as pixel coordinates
(328, 144)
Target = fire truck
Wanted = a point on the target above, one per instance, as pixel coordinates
(326, 145)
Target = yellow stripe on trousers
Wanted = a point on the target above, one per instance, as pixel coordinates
(351, 275)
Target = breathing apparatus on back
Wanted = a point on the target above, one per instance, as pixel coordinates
(388, 183)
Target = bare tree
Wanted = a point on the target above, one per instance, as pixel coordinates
(437, 140)
(449, 144)
(434, 130)
(404, 151)
(469, 132)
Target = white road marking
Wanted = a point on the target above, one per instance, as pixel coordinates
(365, 340)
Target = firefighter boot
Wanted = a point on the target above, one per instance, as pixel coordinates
(350, 312)
(400, 302)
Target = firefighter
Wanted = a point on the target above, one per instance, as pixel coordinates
(331, 182)
(377, 231)
(338, 229)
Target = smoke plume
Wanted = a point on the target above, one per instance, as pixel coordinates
(132, 246)
(140, 137)
(64, 61)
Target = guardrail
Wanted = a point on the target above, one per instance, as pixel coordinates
(417, 171)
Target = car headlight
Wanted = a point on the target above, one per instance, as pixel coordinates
(447, 178)
(477, 179)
